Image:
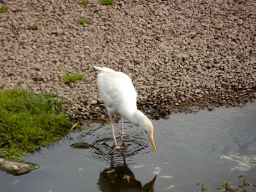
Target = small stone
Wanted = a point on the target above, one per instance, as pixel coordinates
(102, 117)
(240, 21)
(71, 84)
(159, 32)
(37, 67)
(15, 167)
(197, 91)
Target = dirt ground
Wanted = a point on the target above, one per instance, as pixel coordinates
(179, 53)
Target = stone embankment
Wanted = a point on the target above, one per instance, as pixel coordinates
(179, 53)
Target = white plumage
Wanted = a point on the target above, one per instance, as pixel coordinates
(119, 95)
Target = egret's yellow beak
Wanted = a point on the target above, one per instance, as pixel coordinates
(152, 142)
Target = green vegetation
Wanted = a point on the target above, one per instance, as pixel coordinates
(28, 121)
(73, 77)
(226, 187)
(202, 187)
(33, 27)
(83, 2)
(244, 182)
(83, 21)
(106, 2)
(231, 188)
(3, 9)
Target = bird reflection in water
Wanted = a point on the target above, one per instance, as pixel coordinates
(121, 179)
(118, 177)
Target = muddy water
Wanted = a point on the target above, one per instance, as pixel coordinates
(191, 148)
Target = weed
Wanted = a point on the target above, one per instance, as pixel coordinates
(83, 2)
(202, 186)
(83, 21)
(33, 27)
(217, 29)
(73, 77)
(106, 2)
(3, 9)
(245, 184)
(29, 121)
(227, 187)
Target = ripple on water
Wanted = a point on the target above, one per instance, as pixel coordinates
(99, 140)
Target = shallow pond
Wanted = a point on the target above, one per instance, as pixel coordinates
(209, 147)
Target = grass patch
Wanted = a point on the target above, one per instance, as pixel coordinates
(33, 27)
(73, 77)
(106, 2)
(83, 2)
(3, 9)
(29, 121)
(83, 21)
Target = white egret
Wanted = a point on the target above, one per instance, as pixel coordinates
(119, 95)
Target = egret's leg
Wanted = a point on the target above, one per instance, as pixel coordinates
(122, 130)
(112, 131)
(114, 138)
(122, 126)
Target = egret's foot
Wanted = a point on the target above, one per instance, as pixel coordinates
(117, 147)
(122, 134)
(123, 146)
(122, 137)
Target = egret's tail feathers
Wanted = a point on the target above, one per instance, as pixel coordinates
(104, 69)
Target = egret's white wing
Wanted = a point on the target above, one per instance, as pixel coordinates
(117, 92)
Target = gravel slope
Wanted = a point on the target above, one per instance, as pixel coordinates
(179, 53)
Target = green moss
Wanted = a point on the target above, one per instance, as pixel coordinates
(83, 2)
(29, 121)
(73, 77)
(3, 9)
(33, 27)
(83, 21)
(106, 2)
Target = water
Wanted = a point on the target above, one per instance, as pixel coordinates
(205, 147)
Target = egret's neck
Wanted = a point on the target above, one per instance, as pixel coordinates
(138, 118)
(134, 117)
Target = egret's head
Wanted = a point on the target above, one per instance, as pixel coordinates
(147, 126)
